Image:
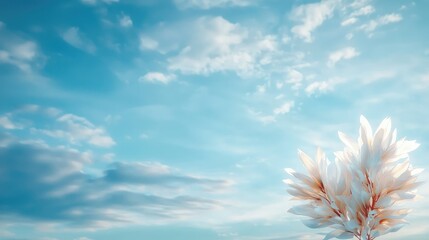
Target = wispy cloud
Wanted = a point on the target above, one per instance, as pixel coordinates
(342, 54)
(20, 53)
(75, 38)
(261, 117)
(322, 86)
(219, 46)
(213, 48)
(94, 2)
(147, 43)
(311, 16)
(358, 9)
(295, 78)
(6, 123)
(284, 108)
(72, 128)
(125, 21)
(157, 77)
(207, 4)
(349, 21)
(366, 10)
(77, 129)
(138, 192)
(384, 20)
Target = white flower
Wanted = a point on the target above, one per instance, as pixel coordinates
(357, 194)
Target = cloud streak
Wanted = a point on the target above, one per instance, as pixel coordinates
(76, 129)
(207, 4)
(77, 39)
(157, 77)
(342, 54)
(311, 16)
(371, 26)
(50, 185)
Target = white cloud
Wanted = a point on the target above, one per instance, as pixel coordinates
(24, 51)
(285, 108)
(94, 2)
(311, 17)
(207, 4)
(75, 38)
(147, 43)
(318, 87)
(216, 45)
(208, 45)
(157, 77)
(21, 54)
(261, 89)
(384, 20)
(263, 118)
(322, 86)
(77, 129)
(390, 18)
(267, 43)
(363, 11)
(126, 21)
(143, 193)
(342, 54)
(73, 128)
(6, 123)
(378, 75)
(349, 21)
(359, 3)
(29, 108)
(295, 78)
(211, 47)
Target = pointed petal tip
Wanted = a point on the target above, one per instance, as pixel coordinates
(287, 181)
(363, 120)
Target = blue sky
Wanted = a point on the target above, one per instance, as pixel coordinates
(127, 119)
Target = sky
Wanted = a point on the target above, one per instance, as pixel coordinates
(175, 119)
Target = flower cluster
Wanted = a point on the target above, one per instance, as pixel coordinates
(357, 195)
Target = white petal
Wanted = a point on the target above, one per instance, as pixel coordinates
(316, 223)
(307, 161)
(366, 129)
(348, 141)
